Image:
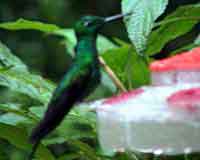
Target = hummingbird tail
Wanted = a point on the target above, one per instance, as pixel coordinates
(34, 149)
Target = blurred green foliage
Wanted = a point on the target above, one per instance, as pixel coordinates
(42, 53)
(42, 48)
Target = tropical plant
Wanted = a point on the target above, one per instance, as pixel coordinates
(24, 94)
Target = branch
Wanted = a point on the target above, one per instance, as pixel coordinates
(112, 75)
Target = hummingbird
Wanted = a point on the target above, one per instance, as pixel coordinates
(82, 77)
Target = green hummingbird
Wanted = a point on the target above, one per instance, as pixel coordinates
(79, 81)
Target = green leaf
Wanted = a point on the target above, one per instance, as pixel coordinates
(12, 119)
(19, 138)
(106, 88)
(75, 129)
(32, 85)
(107, 82)
(17, 77)
(87, 151)
(38, 111)
(103, 43)
(84, 114)
(14, 114)
(7, 59)
(130, 68)
(126, 156)
(141, 22)
(72, 156)
(176, 24)
(22, 24)
(138, 66)
(79, 123)
(69, 39)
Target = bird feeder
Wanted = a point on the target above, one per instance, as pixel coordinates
(161, 118)
(182, 68)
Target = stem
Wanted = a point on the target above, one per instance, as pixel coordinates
(112, 75)
(174, 20)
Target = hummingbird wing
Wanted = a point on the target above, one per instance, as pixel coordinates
(70, 90)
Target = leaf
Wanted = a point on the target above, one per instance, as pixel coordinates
(84, 114)
(103, 44)
(176, 24)
(15, 115)
(141, 22)
(69, 39)
(107, 82)
(12, 119)
(32, 85)
(19, 138)
(38, 111)
(85, 149)
(79, 123)
(130, 68)
(7, 59)
(72, 156)
(22, 24)
(72, 129)
(17, 78)
(106, 88)
(138, 66)
(126, 156)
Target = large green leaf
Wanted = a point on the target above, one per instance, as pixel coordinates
(14, 114)
(7, 59)
(69, 39)
(19, 138)
(12, 119)
(103, 43)
(16, 77)
(130, 68)
(32, 85)
(141, 22)
(22, 24)
(176, 24)
(87, 152)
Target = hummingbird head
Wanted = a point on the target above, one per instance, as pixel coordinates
(90, 25)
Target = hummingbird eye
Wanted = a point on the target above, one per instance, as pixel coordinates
(87, 23)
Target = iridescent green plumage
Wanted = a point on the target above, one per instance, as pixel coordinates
(79, 81)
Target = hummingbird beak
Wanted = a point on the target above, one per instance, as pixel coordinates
(116, 17)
